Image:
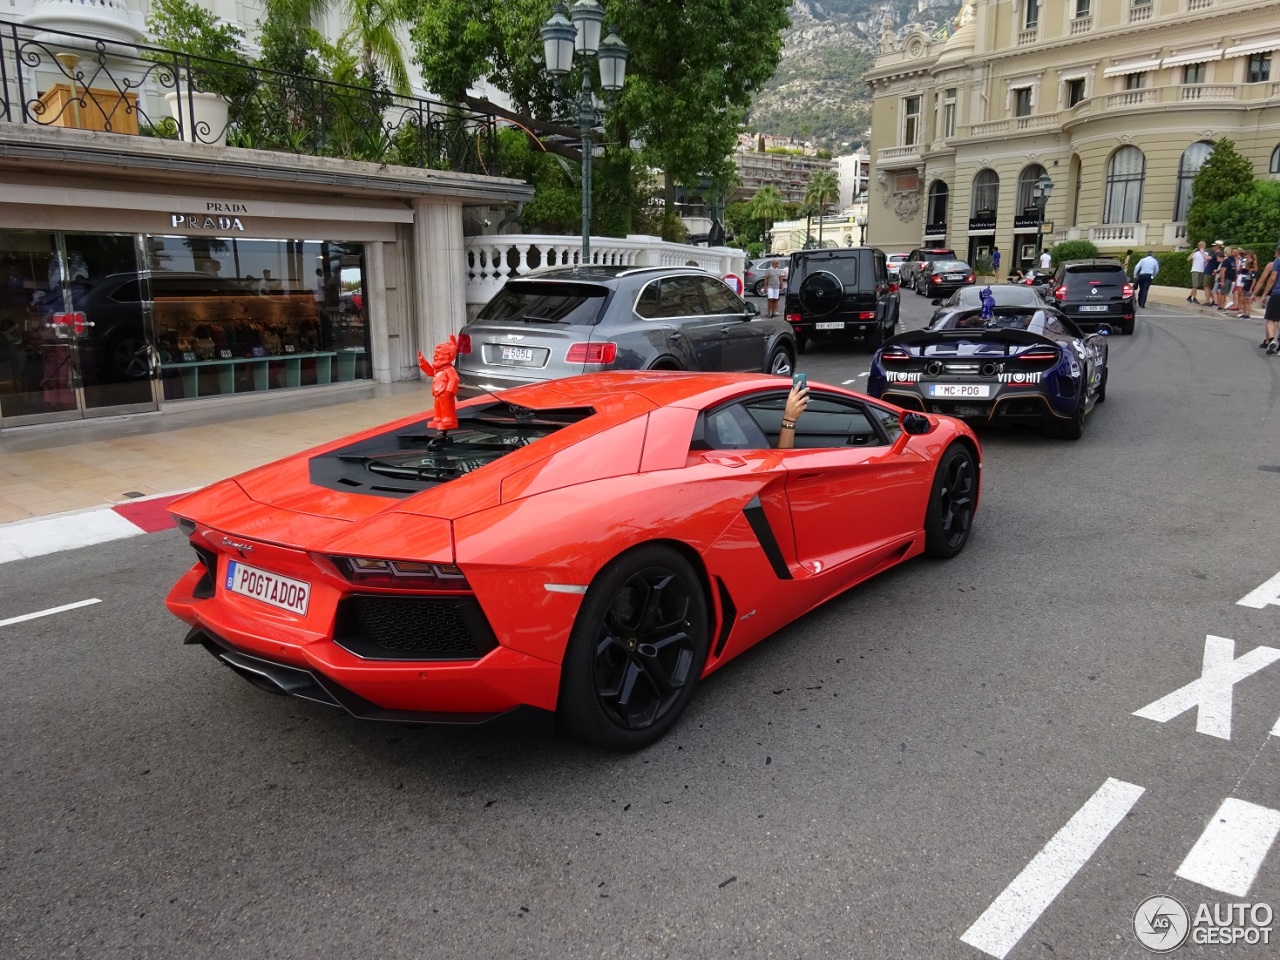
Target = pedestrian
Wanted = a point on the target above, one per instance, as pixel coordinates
(1266, 287)
(1046, 261)
(1144, 273)
(1211, 264)
(1227, 278)
(1247, 277)
(1128, 263)
(1198, 256)
(773, 286)
(995, 262)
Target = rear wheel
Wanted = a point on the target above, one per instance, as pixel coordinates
(1126, 327)
(635, 652)
(780, 362)
(1102, 387)
(1071, 428)
(760, 288)
(952, 502)
(801, 344)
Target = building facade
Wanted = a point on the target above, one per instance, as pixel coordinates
(789, 172)
(1117, 103)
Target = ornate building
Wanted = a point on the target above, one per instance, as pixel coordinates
(1117, 103)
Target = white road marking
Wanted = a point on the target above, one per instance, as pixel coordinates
(1231, 849)
(1266, 595)
(49, 612)
(1020, 904)
(847, 382)
(1219, 674)
(34, 538)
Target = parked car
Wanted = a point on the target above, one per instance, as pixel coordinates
(915, 262)
(1034, 277)
(841, 294)
(943, 276)
(1092, 292)
(1004, 295)
(753, 276)
(565, 321)
(582, 552)
(894, 262)
(1021, 365)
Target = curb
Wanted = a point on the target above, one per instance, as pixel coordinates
(24, 539)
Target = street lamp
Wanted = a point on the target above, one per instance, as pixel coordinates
(862, 227)
(1040, 194)
(580, 32)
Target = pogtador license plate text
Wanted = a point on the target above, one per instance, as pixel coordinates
(283, 592)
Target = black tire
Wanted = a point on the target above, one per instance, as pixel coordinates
(917, 287)
(1126, 328)
(127, 357)
(873, 340)
(781, 363)
(636, 651)
(1069, 429)
(802, 344)
(952, 502)
(1102, 387)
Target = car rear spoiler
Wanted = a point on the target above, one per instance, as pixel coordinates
(913, 338)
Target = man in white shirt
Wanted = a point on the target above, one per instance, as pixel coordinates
(1144, 273)
(1197, 258)
(1046, 261)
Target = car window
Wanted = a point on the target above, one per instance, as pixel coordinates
(890, 422)
(828, 421)
(647, 302)
(680, 297)
(575, 303)
(720, 299)
(845, 269)
(1107, 276)
(729, 428)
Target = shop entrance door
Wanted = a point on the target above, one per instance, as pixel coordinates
(74, 327)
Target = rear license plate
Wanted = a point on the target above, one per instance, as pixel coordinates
(955, 276)
(831, 325)
(978, 390)
(283, 592)
(1099, 308)
(517, 354)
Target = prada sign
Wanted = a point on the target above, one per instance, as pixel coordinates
(217, 216)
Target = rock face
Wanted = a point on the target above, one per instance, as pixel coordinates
(817, 93)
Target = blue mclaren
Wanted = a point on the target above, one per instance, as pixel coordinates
(1013, 365)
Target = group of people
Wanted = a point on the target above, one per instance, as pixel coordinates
(1229, 278)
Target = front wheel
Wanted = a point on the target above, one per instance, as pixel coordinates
(636, 651)
(952, 503)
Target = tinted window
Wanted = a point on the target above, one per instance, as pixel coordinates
(827, 422)
(889, 421)
(1106, 276)
(576, 303)
(729, 428)
(1013, 295)
(680, 297)
(953, 266)
(647, 302)
(845, 269)
(720, 299)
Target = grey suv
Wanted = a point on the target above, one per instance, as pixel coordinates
(841, 294)
(564, 321)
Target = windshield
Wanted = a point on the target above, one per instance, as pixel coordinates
(950, 266)
(533, 302)
(1006, 295)
(843, 267)
(972, 320)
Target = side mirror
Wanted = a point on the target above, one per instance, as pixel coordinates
(916, 424)
(753, 310)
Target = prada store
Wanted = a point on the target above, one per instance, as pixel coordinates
(116, 302)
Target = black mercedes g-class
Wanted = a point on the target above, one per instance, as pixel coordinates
(841, 294)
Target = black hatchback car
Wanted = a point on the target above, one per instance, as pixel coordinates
(1093, 292)
(841, 294)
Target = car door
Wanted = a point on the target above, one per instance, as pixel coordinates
(743, 340)
(691, 332)
(855, 495)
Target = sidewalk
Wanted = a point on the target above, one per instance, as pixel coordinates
(74, 484)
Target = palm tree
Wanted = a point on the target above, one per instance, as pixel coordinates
(371, 28)
(767, 205)
(823, 188)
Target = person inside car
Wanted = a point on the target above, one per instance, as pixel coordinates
(797, 400)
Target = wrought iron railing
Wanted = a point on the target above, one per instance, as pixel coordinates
(54, 78)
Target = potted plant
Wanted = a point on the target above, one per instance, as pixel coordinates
(212, 86)
(983, 267)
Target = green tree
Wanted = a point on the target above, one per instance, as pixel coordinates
(371, 29)
(823, 189)
(1250, 218)
(1224, 174)
(767, 206)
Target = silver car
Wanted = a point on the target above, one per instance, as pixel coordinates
(564, 321)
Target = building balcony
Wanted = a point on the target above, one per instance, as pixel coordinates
(1194, 5)
(1119, 234)
(1029, 35)
(1140, 12)
(898, 158)
(1081, 25)
(1132, 98)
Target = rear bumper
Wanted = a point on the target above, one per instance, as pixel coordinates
(1008, 408)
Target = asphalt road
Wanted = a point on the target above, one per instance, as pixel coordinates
(945, 756)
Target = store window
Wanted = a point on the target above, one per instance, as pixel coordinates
(239, 316)
(986, 195)
(1125, 172)
(1027, 180)
(1192, 159)
(1259, 68)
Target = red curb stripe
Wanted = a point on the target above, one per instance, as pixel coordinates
(151, 516)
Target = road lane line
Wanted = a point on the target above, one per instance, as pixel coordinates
(1020, 904)
(50, 611)
(1231, 850)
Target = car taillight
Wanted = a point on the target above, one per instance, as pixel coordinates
(893, 287)
(1038, 357)
(1060, 293)
(604, 352)
(400, 574)
(1127, 291)
(793, 319)
(936, 278)
(464, 344)
(895, 356)
(866, 314)
(970, 280)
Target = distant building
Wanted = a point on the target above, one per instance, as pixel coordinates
(1118, 102)
(788, 172)
(854, 170)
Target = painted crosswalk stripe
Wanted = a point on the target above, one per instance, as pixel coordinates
(1020, 904)
(52, 610)
(1231, 849)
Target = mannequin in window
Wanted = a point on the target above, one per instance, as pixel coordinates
(797, 401)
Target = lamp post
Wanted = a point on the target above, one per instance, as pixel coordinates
(1040, 194)
(862, 228)
(580, 32)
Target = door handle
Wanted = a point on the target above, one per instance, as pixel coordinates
(674, 336)
(810, 475)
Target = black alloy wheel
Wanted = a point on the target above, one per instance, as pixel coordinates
(128, 358)
(1071, 428)
(635, 652)
(780, 362)
(952, 502)
(760, 288)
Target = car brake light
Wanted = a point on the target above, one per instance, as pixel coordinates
(936, 278)
(464, 344)
(604, 352)
(893, 287)
(866, 315)
(1127, 291)
(1038, 355)
(400, 574)
(970, 280)
(793, 319)
(1060, 293)
(895, 355)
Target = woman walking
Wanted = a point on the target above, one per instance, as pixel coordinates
(1246, 276)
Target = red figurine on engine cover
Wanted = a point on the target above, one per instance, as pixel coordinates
(444, 383)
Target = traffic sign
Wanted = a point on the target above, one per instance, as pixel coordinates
(735, 282)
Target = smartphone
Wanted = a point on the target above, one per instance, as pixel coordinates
(799, 380)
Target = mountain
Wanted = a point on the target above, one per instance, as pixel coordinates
(817, 93)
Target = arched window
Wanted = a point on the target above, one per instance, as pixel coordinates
(1275, 160)
(1125, 172)
(1026, 183)
(986, 195)
(939, 193)
(1188, 167)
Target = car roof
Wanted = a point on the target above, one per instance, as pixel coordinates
(1094, 263)
(604, 274)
